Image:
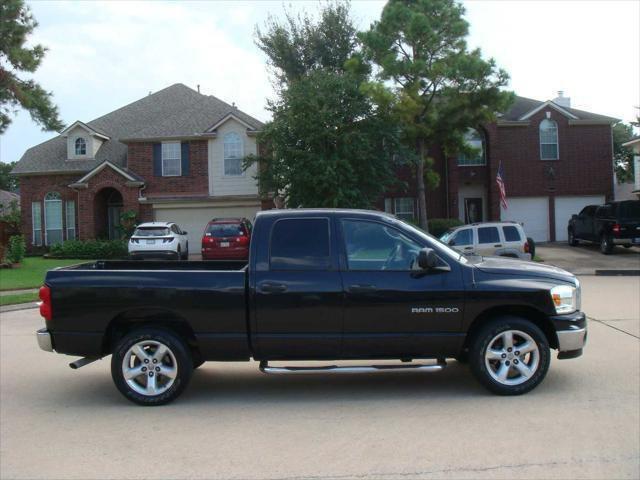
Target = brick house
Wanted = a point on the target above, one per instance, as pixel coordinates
(555, 159)
(175, 155)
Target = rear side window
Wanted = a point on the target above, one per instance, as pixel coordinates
(300, 244)
(221, 230)
(511, 234)
(462, 237)
(630, 209)
(488, 235)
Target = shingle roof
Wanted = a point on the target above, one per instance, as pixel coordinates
(523, 105)
(176, 111)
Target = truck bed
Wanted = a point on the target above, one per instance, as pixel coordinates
(207, 298)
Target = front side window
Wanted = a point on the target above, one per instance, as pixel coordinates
(548, 140)
(462, 237)
(511, 234)
(300, 244)
(81, 146)
(36, 219)
(53, 218)
(171, 159)
(374, 246)
(70, 215)
(233, 153)
(488, 235)
(474, 141)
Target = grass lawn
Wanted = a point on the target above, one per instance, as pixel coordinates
(18, 298)
(31, 272)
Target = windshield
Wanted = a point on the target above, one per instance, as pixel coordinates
(445, 237)
(441, 246)
(151, 232)
(224, 230)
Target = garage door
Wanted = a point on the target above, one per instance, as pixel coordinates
(193, 220)
(567, 206)
(532, 212)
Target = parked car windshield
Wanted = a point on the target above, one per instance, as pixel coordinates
(630, 209)
(151, 232)
(224, 230)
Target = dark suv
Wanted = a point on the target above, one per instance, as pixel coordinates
(614, 223)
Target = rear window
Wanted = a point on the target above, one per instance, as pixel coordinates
(151, 232)
(300, 244)
(630, 209)
(488, 235)
(219, 230)
(511, 234)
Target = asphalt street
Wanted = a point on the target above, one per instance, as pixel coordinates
(234, 422)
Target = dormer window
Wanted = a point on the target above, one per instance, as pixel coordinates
(81, 146)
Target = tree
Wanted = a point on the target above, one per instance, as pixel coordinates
(16, 23)
(622, 156)
(328, 144)
(440, 87)
(8, 182)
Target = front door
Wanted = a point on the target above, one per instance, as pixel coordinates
(393, 309)
(113, 219)
(472, 210)
(298, 292)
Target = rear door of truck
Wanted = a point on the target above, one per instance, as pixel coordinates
(297, 299)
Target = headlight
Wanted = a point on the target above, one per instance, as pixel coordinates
(565, 298)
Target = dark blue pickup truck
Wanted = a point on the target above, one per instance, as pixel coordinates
(319, 285)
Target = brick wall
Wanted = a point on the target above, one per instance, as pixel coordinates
(140, 161)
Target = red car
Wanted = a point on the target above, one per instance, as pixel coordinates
(226, 239)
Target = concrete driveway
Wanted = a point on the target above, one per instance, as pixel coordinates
(586, 259)
(234, 422)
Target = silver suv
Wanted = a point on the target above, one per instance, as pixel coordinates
(504, 239)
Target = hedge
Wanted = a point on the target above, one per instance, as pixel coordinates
(93, 249)
(438, 226)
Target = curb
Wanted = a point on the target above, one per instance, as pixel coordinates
(18, 306)
(613, 273)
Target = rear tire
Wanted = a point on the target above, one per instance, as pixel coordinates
(151, 366)
(606, 244)
(509, 356)
(532, 247)
(571, 239)
(186, 253)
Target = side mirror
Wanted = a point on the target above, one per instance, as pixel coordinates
(427, 259)
(451, 243)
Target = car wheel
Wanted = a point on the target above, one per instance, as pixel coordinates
(606, 245)
(151, 366)
(509, 356)
(178, 253)
(186, 253)
(571, 239)
(532, 247)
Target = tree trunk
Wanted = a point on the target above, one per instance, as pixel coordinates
(422, 201)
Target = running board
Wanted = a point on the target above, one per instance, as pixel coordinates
(265, 368)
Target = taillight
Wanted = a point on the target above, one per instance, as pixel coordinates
(616, 229)
(45, 306)
(243, 240)
(526, 247)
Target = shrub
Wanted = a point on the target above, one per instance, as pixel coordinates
(99, 249)
(17, 249)
(437, 226)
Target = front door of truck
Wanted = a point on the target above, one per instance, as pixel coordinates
(298, 292)
(393, 309)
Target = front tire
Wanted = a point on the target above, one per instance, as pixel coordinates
(571, 238)
(606, 244)
(510, 356)
(151, 366)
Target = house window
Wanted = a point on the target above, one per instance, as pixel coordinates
(171, 161)
(403, 207)
(70, 215)
(548, 140)
(52, 218)
(232, 154)
(473, 140)
(36, 220)
(81, 146)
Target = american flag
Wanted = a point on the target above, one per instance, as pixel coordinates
(500, 182)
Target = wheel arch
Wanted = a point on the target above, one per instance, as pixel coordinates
(535, 316)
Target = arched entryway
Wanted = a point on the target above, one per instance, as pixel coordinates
(108, 205)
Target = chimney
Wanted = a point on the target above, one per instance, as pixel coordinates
(561, 100)
(198, 88)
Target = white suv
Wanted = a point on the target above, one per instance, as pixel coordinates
(159, 240)
(504, 239)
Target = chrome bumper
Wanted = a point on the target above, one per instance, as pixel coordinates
(569, 340)
(44, 340)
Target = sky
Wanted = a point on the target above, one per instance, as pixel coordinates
(104, 55)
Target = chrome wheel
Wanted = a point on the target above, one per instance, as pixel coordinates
(512, 357)
(149, 367)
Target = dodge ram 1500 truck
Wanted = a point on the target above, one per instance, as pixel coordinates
(319, 285)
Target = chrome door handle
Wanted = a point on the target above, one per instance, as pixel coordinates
(362, 288)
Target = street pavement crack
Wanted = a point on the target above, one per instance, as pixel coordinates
(604, 322)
